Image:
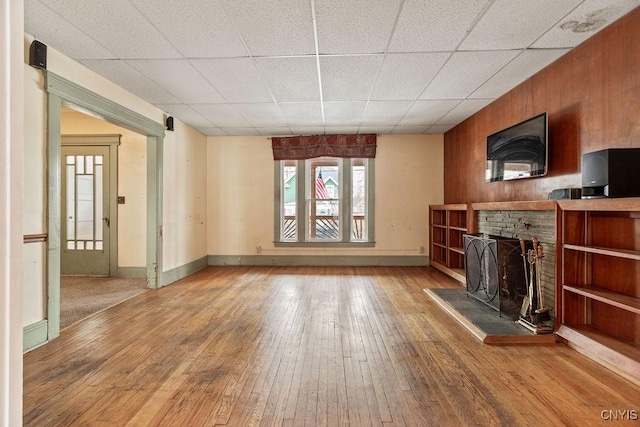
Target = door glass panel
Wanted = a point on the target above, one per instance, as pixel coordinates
(85, 207)
(71, 200)
(80, 162)
(89, 165)
(99, 201)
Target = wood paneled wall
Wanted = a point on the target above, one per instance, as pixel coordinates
(592, 97)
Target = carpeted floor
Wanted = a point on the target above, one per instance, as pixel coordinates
(81, 296)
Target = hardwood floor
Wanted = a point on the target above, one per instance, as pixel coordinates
(305, 346)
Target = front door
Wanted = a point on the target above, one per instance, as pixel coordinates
(85, 210)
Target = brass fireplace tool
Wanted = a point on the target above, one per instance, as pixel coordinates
(533, 314)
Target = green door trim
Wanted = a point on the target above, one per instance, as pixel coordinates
(112, 141)
(64, 92)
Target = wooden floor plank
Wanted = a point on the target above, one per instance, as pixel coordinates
(277, 346)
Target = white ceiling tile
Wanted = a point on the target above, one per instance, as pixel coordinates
(403, 76)
(435, 25)
(237, 79)
(428, 112)
(197, 28)
(409, 129)
(211, 131)
(355, 26)
(302, 113)
(521, 68)
(118, 25)
(348, 78)
(304, 130)
(385, 112)
(127, 77)
(261, 115)
(463, 110)
(465, 72)
(60, 35)
(510, 24)
(186, 114)
(241, 131)
(584, 21)
(221, 115)
(291, 79)
(343, 113)
(380, 130)
(180, 78)
(284, 28)
(341, 130)
(440, 128)
(274, 131)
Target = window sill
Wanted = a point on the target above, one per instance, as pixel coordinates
(324, 244)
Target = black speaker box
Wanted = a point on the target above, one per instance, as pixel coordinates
(611, 173)
(38, 55)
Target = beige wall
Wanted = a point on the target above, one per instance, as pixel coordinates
(132, 182)
(409, 177)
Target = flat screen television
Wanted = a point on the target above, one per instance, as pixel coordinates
(519, 151)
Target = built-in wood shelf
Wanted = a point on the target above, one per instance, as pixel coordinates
(447, 224)
(620, 253)
(457, 250)
(624, 302)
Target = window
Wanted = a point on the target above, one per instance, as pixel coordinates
(324, 201)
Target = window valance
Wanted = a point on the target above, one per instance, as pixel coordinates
(308, 147)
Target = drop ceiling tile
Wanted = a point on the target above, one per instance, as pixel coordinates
(385, 112)
(261, 115)
(343, 113)
(180, 78)
(237, 79)
(403, 76)
(380, 130)
(584, 21)
(127, 77)
(185, 114)
(197, 28)
(521, 68)
(125, 32)
(341, 130)
(306, 114)
(51, 29)
(268, 29)
(241, 131)
(211, 131)
(348, 78)
(274, 131)
(512, 24)
(355, 26)
(440, 128)
(435, 25)
(463, 111)
(291, 79)
(304, 130)
(221, 115)
(409, 129)
(428, 112)
(465, 72)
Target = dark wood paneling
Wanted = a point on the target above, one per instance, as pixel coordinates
(592, 97)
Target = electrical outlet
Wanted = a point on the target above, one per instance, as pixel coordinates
(420, 249)
(258, 249)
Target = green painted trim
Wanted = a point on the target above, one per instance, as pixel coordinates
(132, 272)
(183, 271)
(371, 200)
(278, 200)
(34, 335)
(321, 260)
(61, 91)
(97, 139)
(54, 209)
(92, 104)
(320, 244)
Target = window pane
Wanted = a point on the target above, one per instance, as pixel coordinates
(324, 178)
(324, 220)
(85, 207)
(289, 200)
(359, 200)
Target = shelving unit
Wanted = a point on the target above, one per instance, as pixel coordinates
(447, 224)
(600, 281)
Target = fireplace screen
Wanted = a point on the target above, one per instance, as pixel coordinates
(495, 272)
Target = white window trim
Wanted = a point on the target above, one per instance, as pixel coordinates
(345, 209)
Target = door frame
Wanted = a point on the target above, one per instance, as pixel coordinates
(112, 141)
(61, 92)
